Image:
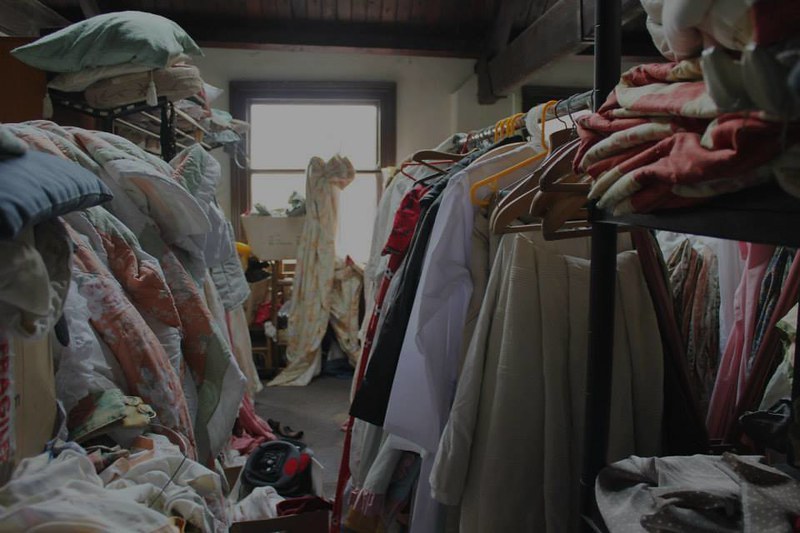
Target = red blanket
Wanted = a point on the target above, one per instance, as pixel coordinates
(659, 142)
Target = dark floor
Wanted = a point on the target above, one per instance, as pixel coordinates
(318, 409)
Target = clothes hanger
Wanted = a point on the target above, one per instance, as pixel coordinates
(491, 181)
(517, 201)
(422, 156)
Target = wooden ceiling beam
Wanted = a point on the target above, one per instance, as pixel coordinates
(557, 33)
(347, 36)
(89, 8)
(507, 14)
(566, 27)
(26, 18)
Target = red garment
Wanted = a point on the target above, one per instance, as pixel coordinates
(732, 370)
(405, 221)
(764, 361)
(660, 142)
(250, 429)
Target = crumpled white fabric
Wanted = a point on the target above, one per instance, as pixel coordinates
(34, 279)
(65, 494)
(261, 504)
(195, 492)
(682, 28)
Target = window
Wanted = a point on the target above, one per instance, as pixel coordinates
(292, 122)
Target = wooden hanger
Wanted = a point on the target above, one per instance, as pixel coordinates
(517, 202)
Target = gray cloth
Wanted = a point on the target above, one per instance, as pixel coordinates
(228, 277)
(698, 493)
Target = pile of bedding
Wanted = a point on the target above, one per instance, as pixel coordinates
(675, 134)
(123, 58)
(133, 264)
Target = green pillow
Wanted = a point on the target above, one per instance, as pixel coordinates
(110, 39)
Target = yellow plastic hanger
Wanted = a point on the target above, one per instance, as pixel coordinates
(491, 181)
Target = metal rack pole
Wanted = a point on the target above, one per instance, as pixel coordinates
(168, 144)
(607, 66)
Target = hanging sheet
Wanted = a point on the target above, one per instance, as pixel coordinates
(310, 312)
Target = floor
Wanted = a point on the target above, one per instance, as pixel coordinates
(319, 410)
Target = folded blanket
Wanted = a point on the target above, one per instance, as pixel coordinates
(660, 142)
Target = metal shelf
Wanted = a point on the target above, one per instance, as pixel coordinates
(764, 214)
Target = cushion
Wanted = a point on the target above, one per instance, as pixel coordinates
(110, 39)
(35, 187)
(173, 83)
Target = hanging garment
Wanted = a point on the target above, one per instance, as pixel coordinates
(345, 303)
(695, 287)
(398, 241)
(779, 386)
(386, 491)
(372, 396)
(310, 310)
(703, 494)
(510, 454)
(732, 373)
(427, 368)
(684, 426)
(387, 207)
(769, 351)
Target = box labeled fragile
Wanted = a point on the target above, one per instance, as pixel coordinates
(273, 238)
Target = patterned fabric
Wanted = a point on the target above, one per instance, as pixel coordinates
(165, 219)
(659, 142)
(695, 288)
(698, 493)
(310, 312)
(771, 287)
(205, 348)
(345, 302)
(141, 357)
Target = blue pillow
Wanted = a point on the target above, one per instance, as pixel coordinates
(36, 186)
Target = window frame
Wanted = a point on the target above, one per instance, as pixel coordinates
(245, 93)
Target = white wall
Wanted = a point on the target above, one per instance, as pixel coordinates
(435, 96)
(467, 115)
(424, 87)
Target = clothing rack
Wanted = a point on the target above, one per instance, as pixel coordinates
(573, 104)
(763, 215)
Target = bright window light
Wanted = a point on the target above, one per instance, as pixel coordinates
(285, 136)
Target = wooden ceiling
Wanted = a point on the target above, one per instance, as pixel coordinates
(430, 27)
(511, 39)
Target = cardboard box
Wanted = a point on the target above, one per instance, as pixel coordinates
(273, 238)
(313, 522)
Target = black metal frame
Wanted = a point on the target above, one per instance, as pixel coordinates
(764, 215)
(166, 109)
